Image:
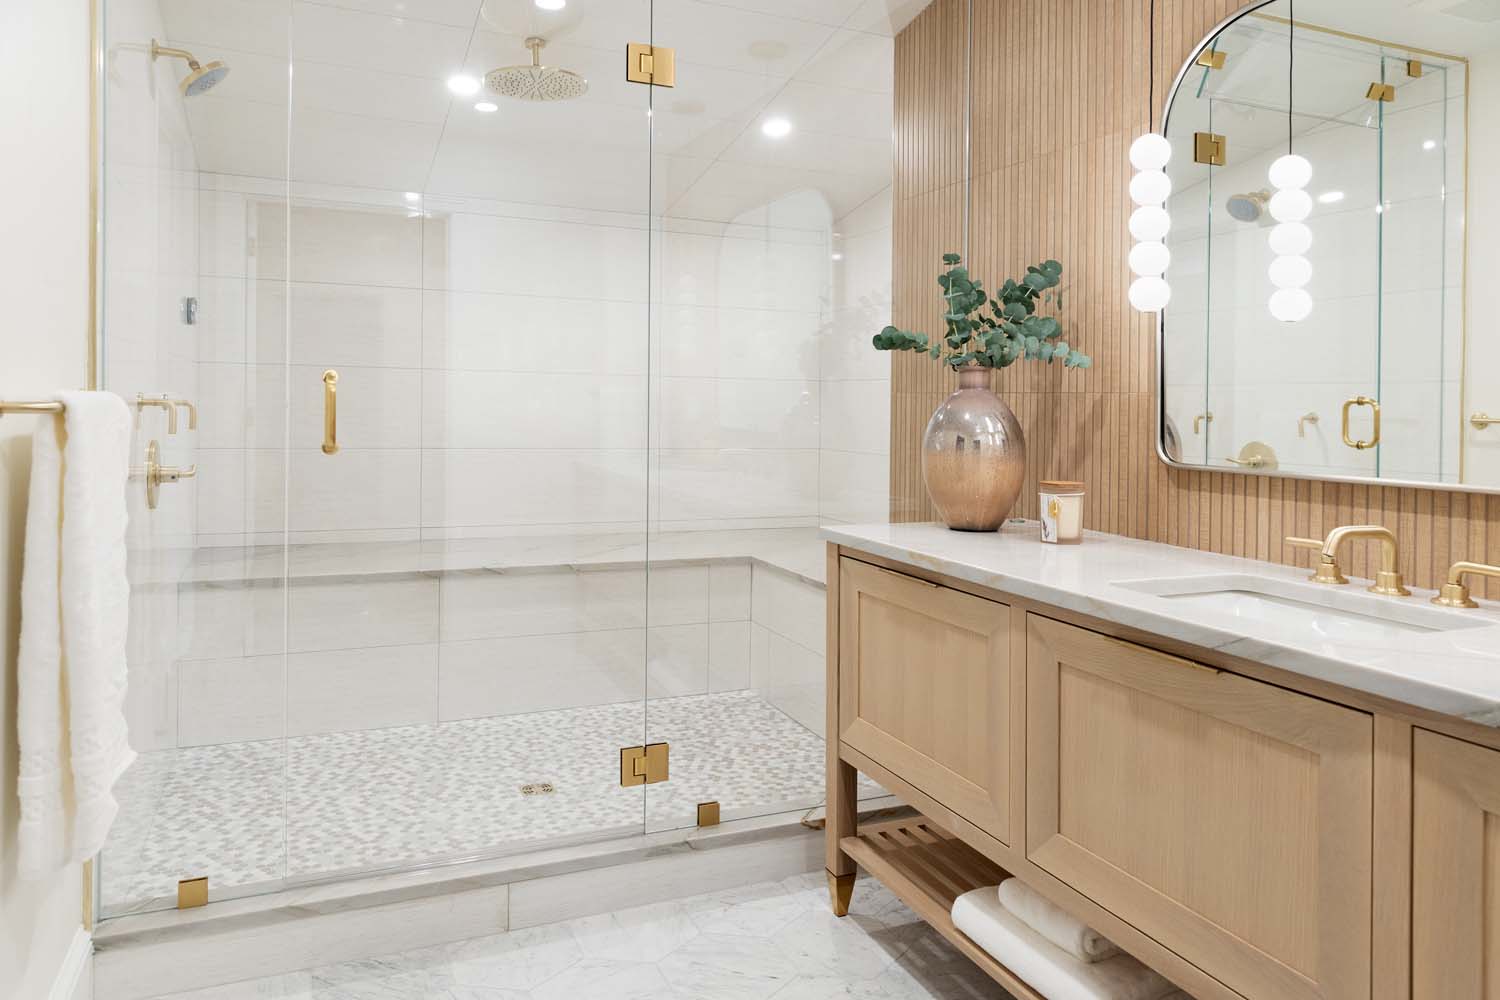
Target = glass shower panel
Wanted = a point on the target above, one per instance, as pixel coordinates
(772, 209)
(194, 210)
(1421, 269)
(466, 509)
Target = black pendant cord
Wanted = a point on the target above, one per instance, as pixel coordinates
(1151, 71)
(1291, 65)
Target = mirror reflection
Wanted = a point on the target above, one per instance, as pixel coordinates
(1320, 320)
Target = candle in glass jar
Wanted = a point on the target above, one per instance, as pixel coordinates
(1062, 511)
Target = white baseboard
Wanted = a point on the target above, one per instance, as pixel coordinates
(74, 980)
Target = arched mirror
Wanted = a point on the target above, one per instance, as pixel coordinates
(1342, 329)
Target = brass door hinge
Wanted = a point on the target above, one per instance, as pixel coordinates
(192, 892)
(1414, 67)
(1381, 92)
(1210, 149)
(645, 765)
(708, 814)
(651, 64)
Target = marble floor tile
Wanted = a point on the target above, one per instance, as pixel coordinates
(774, 941)
(260, 814)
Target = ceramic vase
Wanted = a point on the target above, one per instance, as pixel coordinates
(973, 456)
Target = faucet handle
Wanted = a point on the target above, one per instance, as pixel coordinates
(191, 409)
(1455, 593)
(1327, 566)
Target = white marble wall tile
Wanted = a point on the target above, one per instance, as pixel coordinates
(345, 245)
(361, 688)
(151, 705)
(856, 416)
(222, 328)
(711, 413)
(482, 604)
(489, 488)
(485, 677)
(789, 606)
(231, 619)
(728, 656)
(677, 660)
(338, 324)
(499, 254)
(219, 491)
(855, 487)
(476, 331)
(353, 489)
(729, 591)
(355, 612)
(721, 485)
(230, 700)
(533, 410)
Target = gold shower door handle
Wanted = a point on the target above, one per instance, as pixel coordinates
(1374, 405)
(330, 412)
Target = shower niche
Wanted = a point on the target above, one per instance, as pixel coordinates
(595, 343)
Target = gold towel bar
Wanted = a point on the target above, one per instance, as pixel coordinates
(34, 407)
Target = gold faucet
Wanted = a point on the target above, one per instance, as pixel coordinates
(1455, 594)
(1387, 581)
(142, 401)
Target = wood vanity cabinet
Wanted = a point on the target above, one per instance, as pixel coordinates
(1455, 918)
(1227, 818)
(946, 725)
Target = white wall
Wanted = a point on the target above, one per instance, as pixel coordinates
(44, 291)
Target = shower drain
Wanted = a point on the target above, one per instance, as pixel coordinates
(539, 788)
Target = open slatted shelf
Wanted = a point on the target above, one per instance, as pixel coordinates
(928, 868)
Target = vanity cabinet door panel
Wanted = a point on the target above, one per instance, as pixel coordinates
(925, 688)
(1455, 869)
(1226, 818)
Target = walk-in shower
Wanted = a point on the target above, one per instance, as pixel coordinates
(602, 371)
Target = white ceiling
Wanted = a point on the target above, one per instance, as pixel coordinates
(370, 106)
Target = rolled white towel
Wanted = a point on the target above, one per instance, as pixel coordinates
(1044, 966)
(1053, 923)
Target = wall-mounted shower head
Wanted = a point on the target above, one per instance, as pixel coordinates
(200, 78)
(535, 82)
(1249, 207)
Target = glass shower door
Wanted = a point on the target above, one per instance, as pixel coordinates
(466, 505)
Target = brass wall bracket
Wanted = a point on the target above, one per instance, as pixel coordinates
(192, 892)
(1210, 149)
(655, 65)
(1210, 59)
(647, 765)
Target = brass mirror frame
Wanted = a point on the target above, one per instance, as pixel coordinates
(1160, 432)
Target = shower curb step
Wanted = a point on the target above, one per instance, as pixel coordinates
(146, 955)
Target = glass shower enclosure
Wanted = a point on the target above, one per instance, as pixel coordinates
(511, 393)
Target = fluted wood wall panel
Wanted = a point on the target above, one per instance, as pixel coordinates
(1058, 90)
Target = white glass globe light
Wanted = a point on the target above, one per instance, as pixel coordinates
(1291, 305)
(1291, 205)
(1150, 223)
(1291, 239)
(1150, 152)
(1150, 294)
(1290, 272)
(1150, 187)
(1290, 171)
(1150, 260)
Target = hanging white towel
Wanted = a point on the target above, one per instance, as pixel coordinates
(1054, 923)
(1044, 966)
(74, 615)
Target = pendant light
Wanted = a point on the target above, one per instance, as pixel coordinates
(1290, 206)
(1149, 189)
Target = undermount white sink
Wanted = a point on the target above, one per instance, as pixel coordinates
(1311, 610)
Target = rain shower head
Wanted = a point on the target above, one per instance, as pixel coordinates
(200, 78)
(535, 82)
(1249, 207)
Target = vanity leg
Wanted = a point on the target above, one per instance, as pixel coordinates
(843, 787)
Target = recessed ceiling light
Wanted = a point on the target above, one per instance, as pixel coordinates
(486, 106)
(776, 128)
(463, 85)
(1329, 197)
(838, 256)
(551, 4)
(413, 197)
(1430, 144)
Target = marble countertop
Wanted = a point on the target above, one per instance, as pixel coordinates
(1452, 672)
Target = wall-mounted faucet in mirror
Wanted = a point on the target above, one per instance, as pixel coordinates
(1352, 292)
